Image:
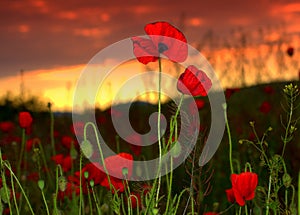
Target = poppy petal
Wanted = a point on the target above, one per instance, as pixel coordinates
(243, 186)
(144, 50)
(230, 195)
(117, 184)
(194, 82)
(175, 43)
(115, 165)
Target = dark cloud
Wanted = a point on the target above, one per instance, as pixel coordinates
(44, 34)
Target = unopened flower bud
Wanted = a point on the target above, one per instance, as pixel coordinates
(287, 180)
(41, 184)
(62, 183)
(87, 148)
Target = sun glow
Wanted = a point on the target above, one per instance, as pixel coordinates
(58, 86)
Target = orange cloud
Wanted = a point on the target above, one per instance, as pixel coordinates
(141, 9)
(41, 5)
(91, 32)
(23, 28)
(195, 22)
(291, 8)
(70, 15)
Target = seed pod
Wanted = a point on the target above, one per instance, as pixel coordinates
(87, 148)
(62, 183)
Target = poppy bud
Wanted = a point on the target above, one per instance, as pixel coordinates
(41, 184)
(25, 119)
(62, 183)
(194, 82)
(86, 175)
(4, 194)
(287, 180)
(87, 148)
(176, 150)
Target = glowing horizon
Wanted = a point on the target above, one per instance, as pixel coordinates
(57, 85)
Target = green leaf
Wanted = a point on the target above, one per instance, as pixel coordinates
(4, 194)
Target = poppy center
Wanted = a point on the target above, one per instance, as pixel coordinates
(162, 47)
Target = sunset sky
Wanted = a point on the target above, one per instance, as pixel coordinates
(53, 40)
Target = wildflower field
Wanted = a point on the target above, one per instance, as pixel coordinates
(51, 164)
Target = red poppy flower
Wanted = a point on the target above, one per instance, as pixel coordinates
(269, 90)
(102, 119)
(251, 136)
(25, 119)
(67, 141)
(75, 181)
(116, 164)
(265, 107)
(137, 146)
(68, 192)
(10, 139)
(117, 184)
(200, 103)
(94, 172)
(77, 128)
(65, 161)
(230, 91)
(290, 51)
(194, 82)
(32, 142)
(28, 130)
(34, 176)
(6, 126)
(243, 187)
(210, 213)
(164, 39)
(146, 188)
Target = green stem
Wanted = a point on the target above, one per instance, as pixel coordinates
(13, 193)
(293, 196)
(158, 130)
(179, 105)
(286, 203)
(22, 152)
(287, 130)
(299, 193)
(45, 163)
(89, 199)
(118, 144)
(80, 182)
(45, 202)
(19, 184)
(240, 210)
(179, 198)
(229, 137)
(100, 150)
(4, 185)
(268, 196)
(157, 180)
(52, 130)
(169, 187)
(96, 202)
(58, 168)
